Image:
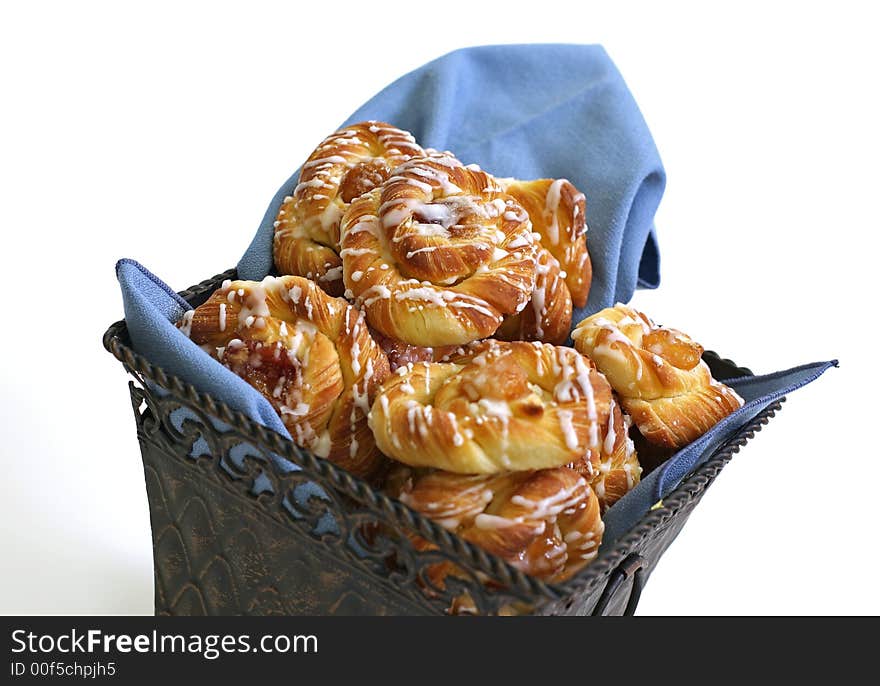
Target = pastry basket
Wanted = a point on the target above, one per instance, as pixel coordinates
(235, 533)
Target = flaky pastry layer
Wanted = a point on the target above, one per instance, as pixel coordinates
(658, 373)
(493, 407)
(438, 255)
(546, 522)
(310, 355)
(347, 164)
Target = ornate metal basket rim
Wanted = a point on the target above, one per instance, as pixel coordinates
(583, 582)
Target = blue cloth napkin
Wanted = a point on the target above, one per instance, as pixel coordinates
(530, 112)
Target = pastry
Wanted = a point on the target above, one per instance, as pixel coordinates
(401, 354)
(494, 407)
(547, 317)
(310, 355)
(347, 164)
(658, 373)
(618, 469)
(558, 213)
(546, 522)
(439, 254)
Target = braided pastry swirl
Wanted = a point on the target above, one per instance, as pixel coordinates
(347, 164)
(310, 355)
(438, 255)
(618, 469)
(557, 210)
(546, 522)
(494, 407)
(547, 317)
(658, 374)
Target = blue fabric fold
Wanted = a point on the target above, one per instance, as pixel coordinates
(533, 111)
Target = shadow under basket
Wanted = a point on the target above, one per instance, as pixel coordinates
(235, 532)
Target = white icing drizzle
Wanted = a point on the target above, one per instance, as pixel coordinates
(498, 410)
(299, 410)
(381, 292)
(355, 252)
(426, 249)
(321, 447)
(325, 161)
(551, 207)
(186, 323)
(565, 423)
(355, 352)
(491, 522)
(549, 508)
(276, 392)
(332, 274)
(610, 435)
(539, 296)
(254, 305)
(437, 297)
(575, 384)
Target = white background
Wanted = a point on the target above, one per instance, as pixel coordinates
(161, 132)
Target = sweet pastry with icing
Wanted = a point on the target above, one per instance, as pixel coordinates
(439, 254)
(493, 407)
(347, 164)
(547, 317)
(658, 373)
(558, 213)
(546, 522)
(402, 354)
(310, 355)
(618, 469)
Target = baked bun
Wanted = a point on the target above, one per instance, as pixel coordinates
(546, 523)
(438, 255)
(494, 407)
(310, 355)
(547, 317)
(347, 164)
(558, 213)
(658, 373)
(618, 469)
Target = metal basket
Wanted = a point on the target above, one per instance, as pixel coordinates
(235, 534)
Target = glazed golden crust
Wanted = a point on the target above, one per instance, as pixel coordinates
(546, 522)
(347, 164)
(311, 356)
(618, 470)
(558, 213)
(438, 255)
(658, 373)
(547, 317)
(494, 407)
